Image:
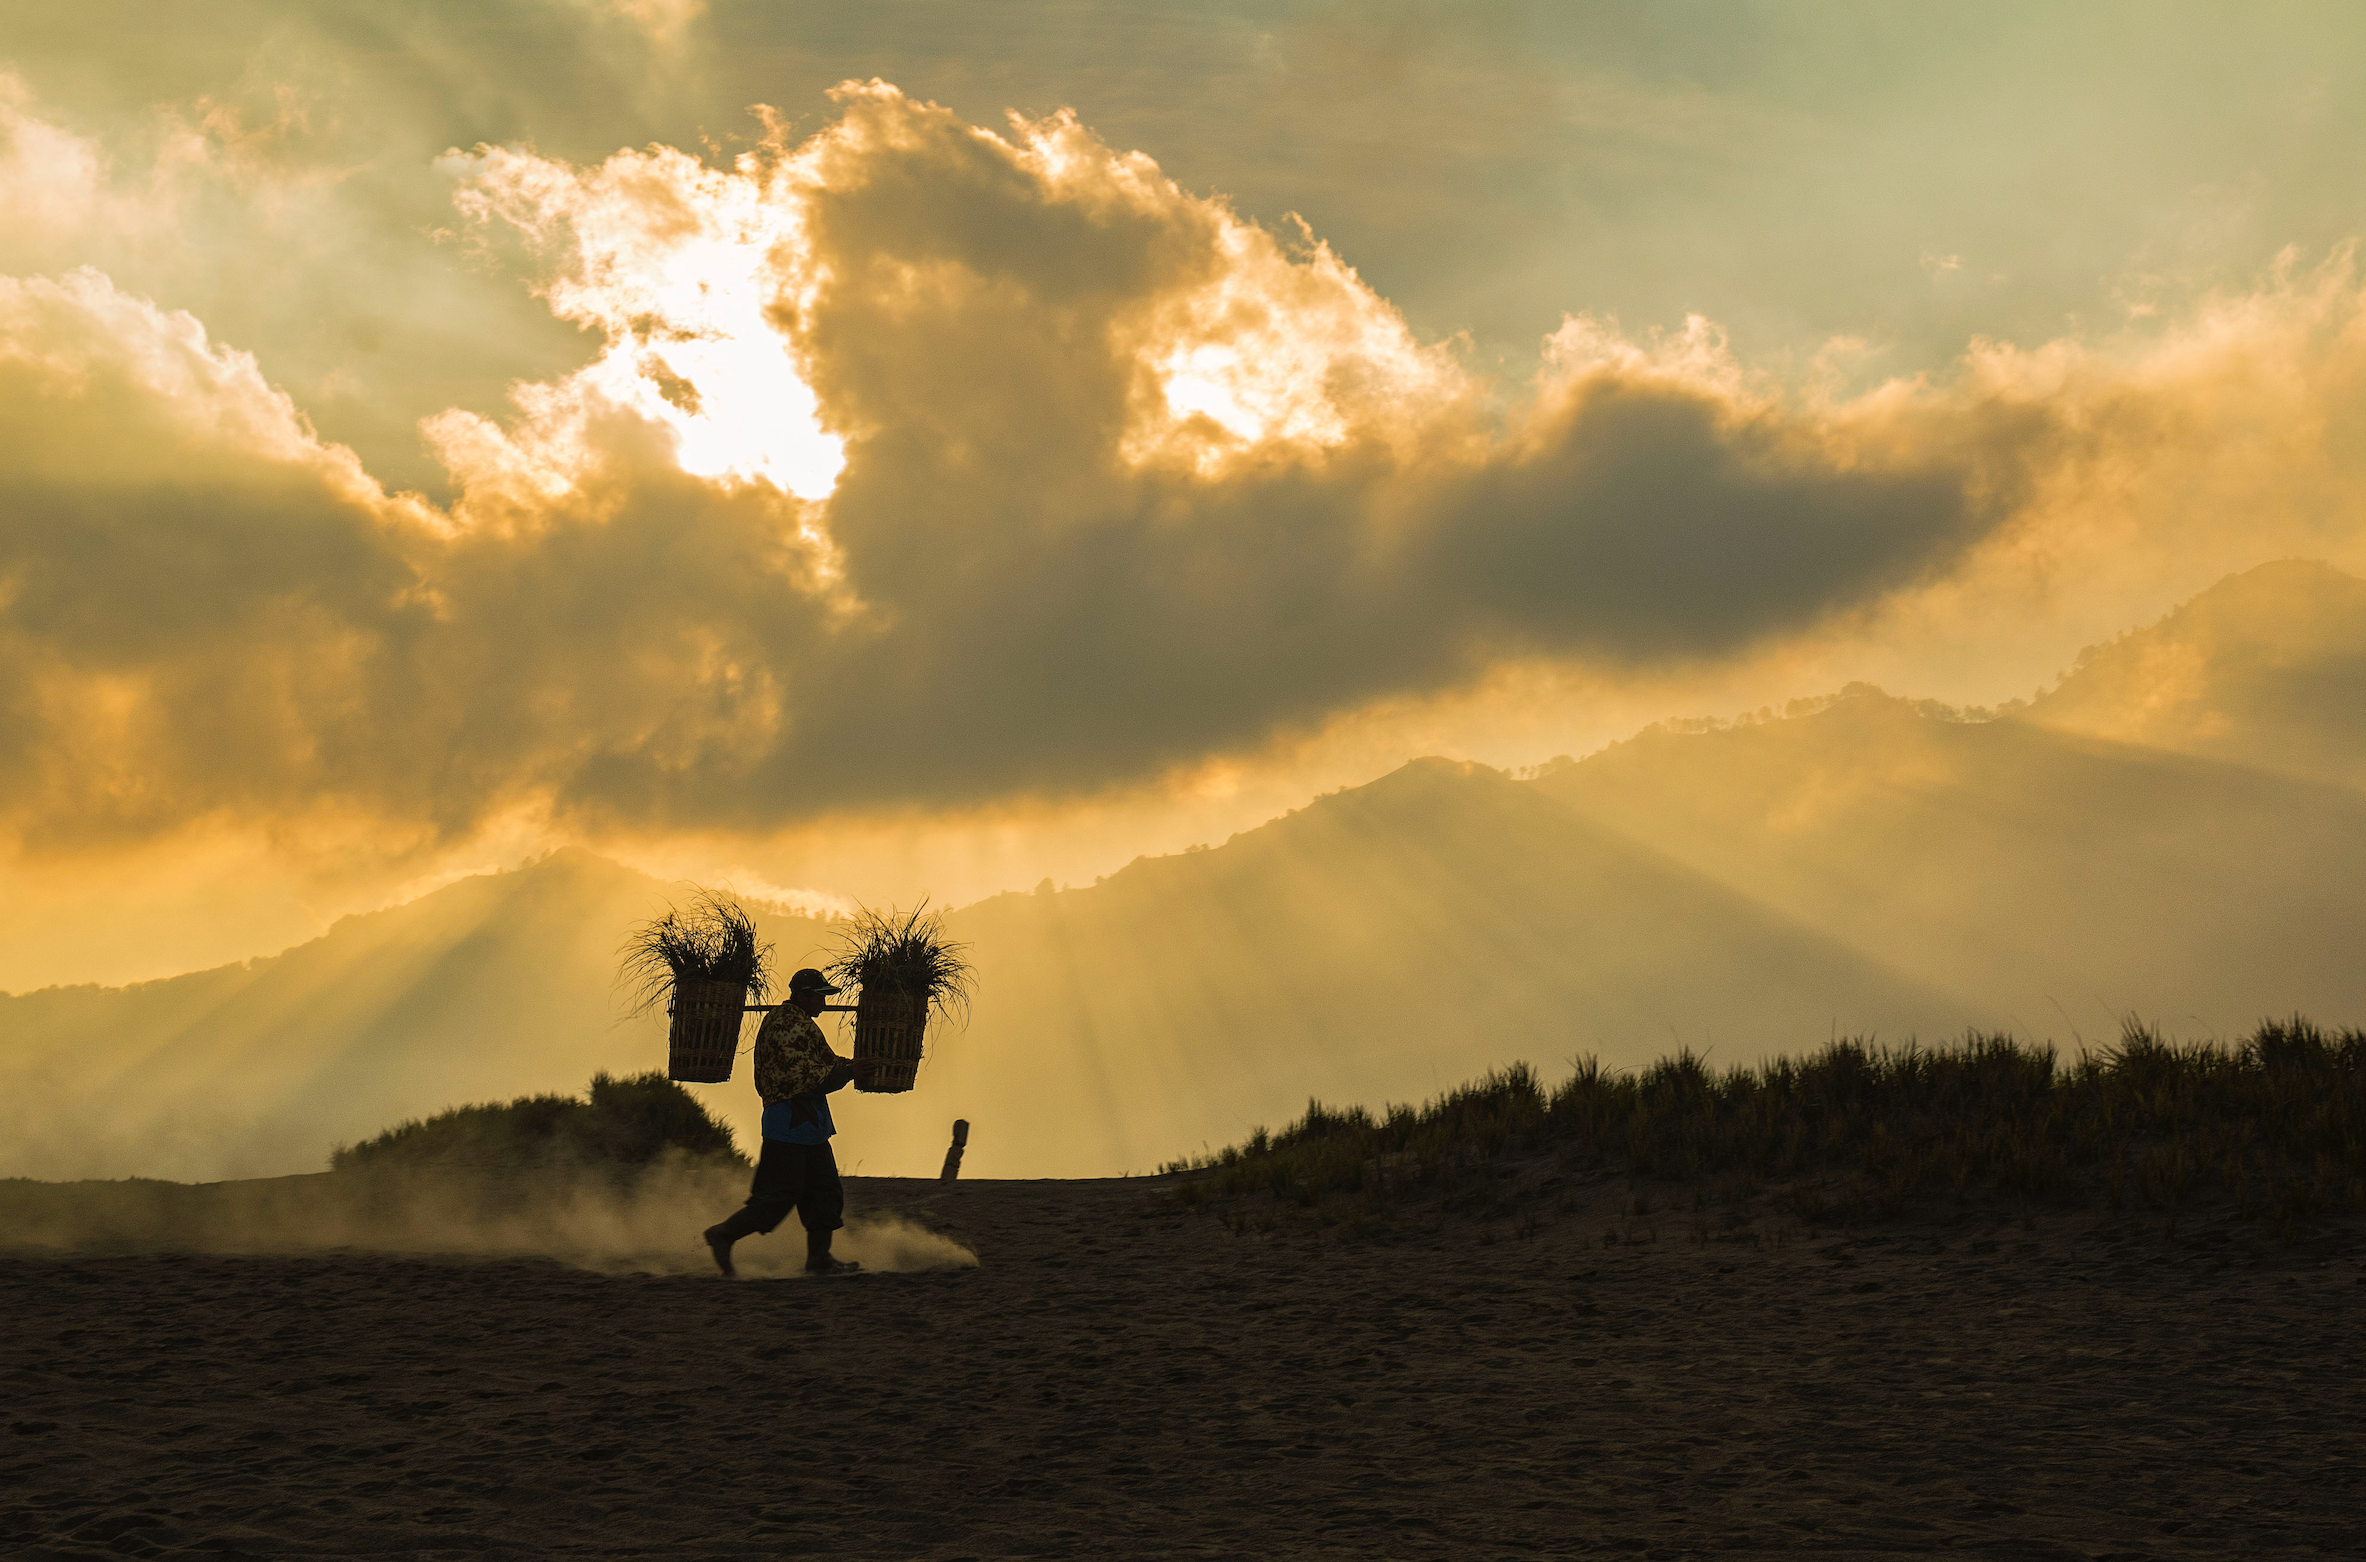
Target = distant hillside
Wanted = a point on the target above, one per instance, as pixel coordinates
(1875, 867)
(1373, 943)
(1378, 943)
(491, 987)
(2266, 669)
(2061, 878)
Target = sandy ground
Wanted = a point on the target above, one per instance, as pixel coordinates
(1114, 1379)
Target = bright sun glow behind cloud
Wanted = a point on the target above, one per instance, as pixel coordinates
(697, 276)
(676, 264)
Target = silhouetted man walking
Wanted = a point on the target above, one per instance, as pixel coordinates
(795, 1073)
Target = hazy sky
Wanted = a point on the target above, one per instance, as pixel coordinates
(429, 433)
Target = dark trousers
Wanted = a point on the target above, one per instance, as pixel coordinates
(800, 1177)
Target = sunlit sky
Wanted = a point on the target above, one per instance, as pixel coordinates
(855, 452)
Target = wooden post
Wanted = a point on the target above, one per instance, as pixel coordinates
(953, 1155)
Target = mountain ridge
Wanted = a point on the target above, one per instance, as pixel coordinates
(2267, 669)
(1873, 865)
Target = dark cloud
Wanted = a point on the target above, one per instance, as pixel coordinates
(1652, 521)
(1079, 631)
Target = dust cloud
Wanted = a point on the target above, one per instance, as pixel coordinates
(648, 1225)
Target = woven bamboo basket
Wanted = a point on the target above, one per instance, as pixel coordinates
(887, 1029)
(704, 1036)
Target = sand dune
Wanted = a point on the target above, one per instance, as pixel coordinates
(1116, 1379)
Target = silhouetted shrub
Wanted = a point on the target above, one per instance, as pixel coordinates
(623, 1125)
(2279, 1120)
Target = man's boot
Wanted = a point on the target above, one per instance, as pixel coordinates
(817, 1255)
(719, 1237)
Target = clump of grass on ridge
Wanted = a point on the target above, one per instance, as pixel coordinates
(621, 1126)
(2278, 1121)
(906, 953)
(714, 941)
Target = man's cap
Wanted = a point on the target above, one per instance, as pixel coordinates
(810, 980)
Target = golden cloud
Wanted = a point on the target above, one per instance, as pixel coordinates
(922, 464)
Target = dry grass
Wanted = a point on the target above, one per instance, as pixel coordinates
(1861, 1133)
(715, 940)
(906, 953)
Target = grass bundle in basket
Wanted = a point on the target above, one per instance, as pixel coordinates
(705, 964)
(905, 967)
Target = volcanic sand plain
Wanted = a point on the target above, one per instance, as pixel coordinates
(1116, 1377)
